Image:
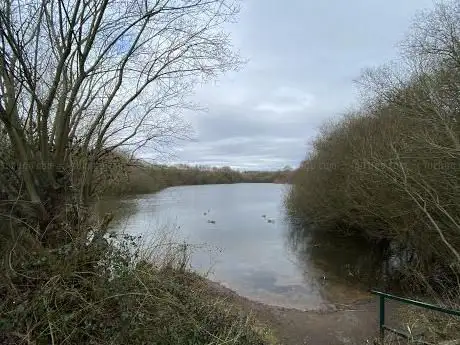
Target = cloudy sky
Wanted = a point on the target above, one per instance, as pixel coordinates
(303, 56)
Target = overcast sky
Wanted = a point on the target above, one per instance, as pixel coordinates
(303, 56)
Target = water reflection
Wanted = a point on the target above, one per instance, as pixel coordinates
(120, 209)
(276, 262)
(344, 262)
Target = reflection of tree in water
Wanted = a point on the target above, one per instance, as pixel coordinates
(119, 209)
(342, 259)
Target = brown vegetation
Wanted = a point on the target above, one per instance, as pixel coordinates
(80, 80)
(97, 293)
(140, 177)
(391, 170)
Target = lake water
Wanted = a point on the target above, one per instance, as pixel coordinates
(240, 236)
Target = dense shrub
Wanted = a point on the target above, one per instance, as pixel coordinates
(93, 292)
(391, 170)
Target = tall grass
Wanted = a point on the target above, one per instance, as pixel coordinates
(90, 291)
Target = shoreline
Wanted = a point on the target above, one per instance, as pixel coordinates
(355, 323)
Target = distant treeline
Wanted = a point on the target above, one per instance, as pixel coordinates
(141, 177)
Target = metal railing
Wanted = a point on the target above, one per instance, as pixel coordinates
(383, 327)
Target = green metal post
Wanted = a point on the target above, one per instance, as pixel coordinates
(383, 327)
(382, 318)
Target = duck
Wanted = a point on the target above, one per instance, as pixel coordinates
(271, 221)
(212, 221)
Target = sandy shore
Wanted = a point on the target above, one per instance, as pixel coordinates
(355, 323)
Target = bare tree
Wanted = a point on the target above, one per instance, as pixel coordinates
(82, 78)
(396, 159)
(425, 147)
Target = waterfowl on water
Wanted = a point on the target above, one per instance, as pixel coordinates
(212, 221)
(264, 216)
(271, 221)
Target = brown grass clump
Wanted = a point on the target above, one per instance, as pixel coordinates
(99, 292)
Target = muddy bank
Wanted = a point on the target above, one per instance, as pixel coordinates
(355, 323)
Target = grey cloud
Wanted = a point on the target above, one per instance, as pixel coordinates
(303, 56)
(245, 153)
(237, 124)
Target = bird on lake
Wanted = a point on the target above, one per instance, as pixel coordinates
(212, 221)
(323, 280)
(271, 221)
(264, 216)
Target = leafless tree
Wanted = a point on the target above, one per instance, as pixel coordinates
(396, 159)
(82, 78)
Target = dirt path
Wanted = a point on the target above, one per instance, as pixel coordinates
(351, 324)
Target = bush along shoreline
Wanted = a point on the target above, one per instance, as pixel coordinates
(96, 292)
(389, 171)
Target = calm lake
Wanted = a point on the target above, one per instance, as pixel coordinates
(239, 235)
